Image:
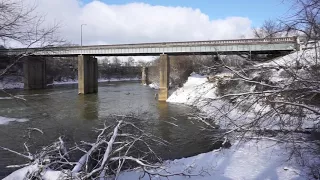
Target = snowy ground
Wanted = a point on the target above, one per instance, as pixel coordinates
(250, 160)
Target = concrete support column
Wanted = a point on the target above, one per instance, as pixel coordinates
(164, 77)
(144, 77)
(34, 70)
(87, 74)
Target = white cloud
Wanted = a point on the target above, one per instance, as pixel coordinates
(137, 22)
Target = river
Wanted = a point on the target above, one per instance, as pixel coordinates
(60, 111)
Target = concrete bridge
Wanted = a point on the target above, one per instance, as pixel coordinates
(35, 73)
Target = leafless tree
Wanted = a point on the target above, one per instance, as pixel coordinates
(20, 26)
(269, 29)
(305, 18)
(116, 61)
(129, 61)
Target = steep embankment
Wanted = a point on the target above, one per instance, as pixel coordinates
(232, 100)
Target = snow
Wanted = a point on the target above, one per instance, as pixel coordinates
(154, 86)
(263, 159)
(297, 58)
(120, 79)
(11, 85)
(53, 175)
(195, 89)
(6, 120)
(3, 98)
(21, 173)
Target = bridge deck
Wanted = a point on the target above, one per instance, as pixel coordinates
(273, 45)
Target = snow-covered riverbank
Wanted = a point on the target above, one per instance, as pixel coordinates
(205, 93)
(264, 159)
(99, 80)
(19, 85)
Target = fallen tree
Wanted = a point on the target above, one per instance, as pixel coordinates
(118, 147)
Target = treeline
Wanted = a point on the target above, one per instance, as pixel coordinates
(66, 68)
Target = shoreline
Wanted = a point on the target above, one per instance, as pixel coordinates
(19, 85)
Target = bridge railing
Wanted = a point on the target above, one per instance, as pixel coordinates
(191, 43)
(239, 41)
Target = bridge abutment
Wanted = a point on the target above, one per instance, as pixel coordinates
(87, 74)
(34, 70)
(164, 77)
(144, 77)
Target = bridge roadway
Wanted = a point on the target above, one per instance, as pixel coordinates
(255, 46)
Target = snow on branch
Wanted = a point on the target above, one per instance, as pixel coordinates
(118, 147)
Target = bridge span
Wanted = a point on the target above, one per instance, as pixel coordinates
(35, 66)
(257, 46)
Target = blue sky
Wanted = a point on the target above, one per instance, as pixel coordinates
(255, 10)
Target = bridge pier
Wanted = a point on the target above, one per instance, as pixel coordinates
(34, 70)
(87, 74)
(164, 77)
(144, 77)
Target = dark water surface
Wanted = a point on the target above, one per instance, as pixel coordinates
(60, 111)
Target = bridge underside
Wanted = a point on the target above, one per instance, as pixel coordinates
(34, 68)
